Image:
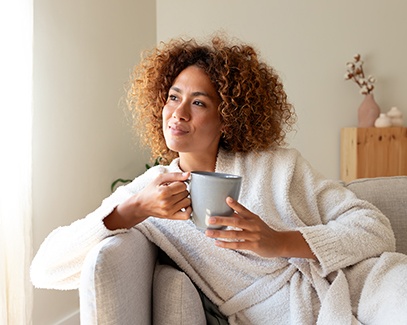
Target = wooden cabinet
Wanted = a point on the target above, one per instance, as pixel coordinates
(373, 152)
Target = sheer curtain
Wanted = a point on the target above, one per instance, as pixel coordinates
(16, 34)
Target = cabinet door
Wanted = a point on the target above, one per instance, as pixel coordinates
(373, 152)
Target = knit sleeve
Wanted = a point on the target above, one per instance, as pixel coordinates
(58, 262)
(341, 229)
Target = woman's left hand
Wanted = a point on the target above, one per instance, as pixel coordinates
(255, 235)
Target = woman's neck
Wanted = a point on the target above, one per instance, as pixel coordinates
(189, 162)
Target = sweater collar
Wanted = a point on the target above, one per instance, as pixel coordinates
(224, 162)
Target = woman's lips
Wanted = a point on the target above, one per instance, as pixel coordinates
(177, 130)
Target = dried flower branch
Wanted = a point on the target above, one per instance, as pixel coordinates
(355, 72)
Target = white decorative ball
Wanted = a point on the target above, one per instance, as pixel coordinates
(383, 121)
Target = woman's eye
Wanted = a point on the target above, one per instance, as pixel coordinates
(172, 97)
(198, 103)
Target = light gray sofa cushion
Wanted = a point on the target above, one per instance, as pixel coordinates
(175, 299)
(389, 194)
(117, 280)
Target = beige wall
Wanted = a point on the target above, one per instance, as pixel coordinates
(83, 52)
(309, 43)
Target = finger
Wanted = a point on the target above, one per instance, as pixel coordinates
(239, 208)
(183, 214)
(235, 220)
(235, 245)
(250, 223)
(228, 234)
(176, 197)
(239, 235)
(168, 205)
(183, 204)
(173, 188)
(168, 178)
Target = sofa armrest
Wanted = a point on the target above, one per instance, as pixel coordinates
(388, 194)
(116, 281)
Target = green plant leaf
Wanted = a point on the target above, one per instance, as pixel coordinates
(117, 181)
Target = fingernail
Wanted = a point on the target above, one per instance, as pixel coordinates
(212, 220)
(229, 199)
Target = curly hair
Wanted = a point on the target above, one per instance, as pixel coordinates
(254, 109)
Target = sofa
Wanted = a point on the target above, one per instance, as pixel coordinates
(124, 282)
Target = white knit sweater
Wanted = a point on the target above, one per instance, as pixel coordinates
(284, 190)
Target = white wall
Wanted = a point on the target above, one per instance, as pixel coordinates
(83, 53)
(309, 43)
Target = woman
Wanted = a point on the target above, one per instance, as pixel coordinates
(302, 249)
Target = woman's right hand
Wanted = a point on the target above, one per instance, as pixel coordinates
(165, 197)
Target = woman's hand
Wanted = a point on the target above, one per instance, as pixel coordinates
(255, 235)
(165, 197)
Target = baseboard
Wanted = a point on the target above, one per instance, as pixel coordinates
(72, 319)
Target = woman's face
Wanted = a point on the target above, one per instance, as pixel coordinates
(191, 121)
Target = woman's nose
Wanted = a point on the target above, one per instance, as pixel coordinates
(181, 112)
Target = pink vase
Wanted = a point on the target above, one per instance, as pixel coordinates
(368, 112)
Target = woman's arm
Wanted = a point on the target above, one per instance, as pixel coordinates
(58, 262)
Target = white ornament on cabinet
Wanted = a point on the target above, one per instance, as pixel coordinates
(396, 116)
(383, 121)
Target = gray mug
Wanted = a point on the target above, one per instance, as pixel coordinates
(209, 191)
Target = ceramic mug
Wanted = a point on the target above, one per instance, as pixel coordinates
(209, 191)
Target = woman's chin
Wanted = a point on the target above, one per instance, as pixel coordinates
(177, 147)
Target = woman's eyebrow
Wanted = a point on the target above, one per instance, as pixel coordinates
(176, 89)
(195, 93)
